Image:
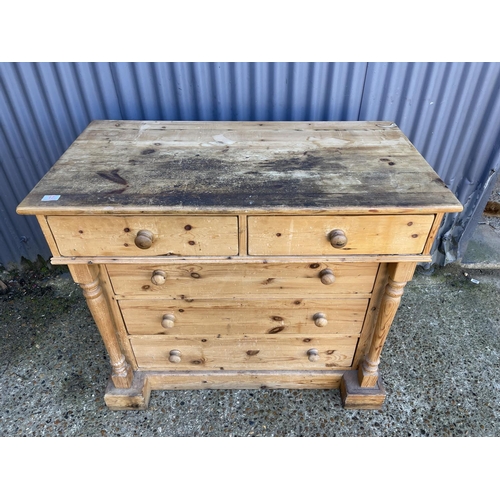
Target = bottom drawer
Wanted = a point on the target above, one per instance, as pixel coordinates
(202, 352)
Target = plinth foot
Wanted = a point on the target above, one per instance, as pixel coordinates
(355, 397)
(136, 397)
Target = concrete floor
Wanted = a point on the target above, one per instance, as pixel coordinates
(439, 366)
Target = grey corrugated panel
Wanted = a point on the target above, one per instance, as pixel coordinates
(242, 91)
(449, 111)
(19, 236)
(16, 121)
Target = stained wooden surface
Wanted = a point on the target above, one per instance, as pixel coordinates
(366, 234)
(245, 379)
(210, 352)
(355, 397)
(240, 167)
(255, 317)
(235, 280)
(137, 397)
(172, 235)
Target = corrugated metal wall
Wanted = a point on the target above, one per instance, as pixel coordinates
(450, 111)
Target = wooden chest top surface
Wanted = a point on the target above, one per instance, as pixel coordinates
(134, 167)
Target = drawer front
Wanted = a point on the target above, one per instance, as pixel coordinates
(312, 235)
(145, 235)
(191, 280)
(270, 317)
(223, 353)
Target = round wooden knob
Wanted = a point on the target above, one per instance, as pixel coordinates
(144, 239)
(313, 355)
(175, 356)
(168, 321)
(320, 319)
(159, 277)
(338, 238)
(327, 277)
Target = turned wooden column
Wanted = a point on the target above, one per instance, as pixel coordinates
(87, 276)
(399, 275)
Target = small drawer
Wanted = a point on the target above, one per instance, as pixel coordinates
(145, 235)
(206, 352)
(238, 280)
(338, 235)
(232, 317)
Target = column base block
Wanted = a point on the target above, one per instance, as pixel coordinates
(355, 397)
(134, 398)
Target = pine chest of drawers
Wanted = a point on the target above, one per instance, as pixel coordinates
(241, 254)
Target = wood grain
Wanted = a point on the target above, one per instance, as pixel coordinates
(117, 318)
(301, 259)
(366, 234)
(245, 379)
(172, 235)
(238, 167)
(239, 280)
(88, 279)
(137, 396)
(371, 315)
(355, 397)
(398, 275)
(243, 317)
(202, 352)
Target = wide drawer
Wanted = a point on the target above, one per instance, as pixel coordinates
(192, 280)
(363, 234)
(205, 352)
(233, 317)
(145, 235)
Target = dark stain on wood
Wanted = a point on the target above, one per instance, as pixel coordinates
(275, 330)
(116, 191)
(113, 176)
(306, 162)
(267, 281)
(206, 188)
